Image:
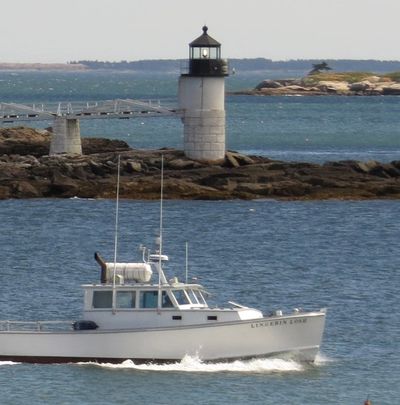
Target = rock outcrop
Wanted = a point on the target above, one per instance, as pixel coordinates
(35, 142)
(24, 141)
(346, 84)
(26, 171)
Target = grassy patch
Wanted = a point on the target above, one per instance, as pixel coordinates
(350, 77)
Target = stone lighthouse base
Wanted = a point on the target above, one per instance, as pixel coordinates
(204, 135)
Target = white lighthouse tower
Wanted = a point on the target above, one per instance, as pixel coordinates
(202, 100)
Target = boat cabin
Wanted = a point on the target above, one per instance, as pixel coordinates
(144, 296)
(127, 298)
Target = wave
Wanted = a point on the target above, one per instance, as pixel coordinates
(195, 365)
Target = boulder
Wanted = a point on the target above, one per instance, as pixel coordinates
(231, 160)
(365, 167)
(99, 169)
(182, 163)
(63, 186)
(91, 146)
(242, 159)
(392, 90)
(385, 170)
(24, 189)
(396, 164)
(333, 87)
(133, 167)
(268, 84)
(360, 86)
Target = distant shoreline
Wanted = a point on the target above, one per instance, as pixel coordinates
(259, 65)
(41, 67)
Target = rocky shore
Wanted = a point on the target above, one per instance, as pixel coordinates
(322, 84)
(26, 171)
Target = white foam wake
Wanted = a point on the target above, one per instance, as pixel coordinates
(194, 364)
(321, 359)
(8, 363)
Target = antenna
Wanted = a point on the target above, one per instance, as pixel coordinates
(161, 218)
(116, 234)
(186, 262)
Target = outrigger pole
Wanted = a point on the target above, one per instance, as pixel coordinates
(116, 236)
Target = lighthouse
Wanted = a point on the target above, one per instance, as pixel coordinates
(201, 99)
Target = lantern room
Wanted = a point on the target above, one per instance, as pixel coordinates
(205, 57)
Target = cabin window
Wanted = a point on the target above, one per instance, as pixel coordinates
(165, 300)
(102, 299)
(199, 297)
(126, 299)
(193, 297)
(148, 299)
(181, 297)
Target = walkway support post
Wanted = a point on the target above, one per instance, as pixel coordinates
(66, 137)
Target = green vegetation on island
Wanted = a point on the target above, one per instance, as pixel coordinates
(350, 77)
(321, 80)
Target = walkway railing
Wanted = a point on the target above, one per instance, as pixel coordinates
(119, 108)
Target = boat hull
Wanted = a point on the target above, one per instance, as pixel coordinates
(298, 336)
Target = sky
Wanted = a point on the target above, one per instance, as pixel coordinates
(55, 31)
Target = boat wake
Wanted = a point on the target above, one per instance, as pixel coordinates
(195, 365)
(321, 360)
(8, 363)
(191, 364)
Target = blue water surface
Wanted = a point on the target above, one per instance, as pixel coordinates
(266, 254)
(314, 129)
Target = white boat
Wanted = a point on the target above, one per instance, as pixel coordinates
(127, 316)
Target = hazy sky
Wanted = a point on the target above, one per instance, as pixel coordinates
(61, 31)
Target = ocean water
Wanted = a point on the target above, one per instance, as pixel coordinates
(266, 254)
(313, 129)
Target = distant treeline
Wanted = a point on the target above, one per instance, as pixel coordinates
(247, 65)
(159, 65)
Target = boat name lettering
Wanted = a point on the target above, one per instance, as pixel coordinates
(278, 322)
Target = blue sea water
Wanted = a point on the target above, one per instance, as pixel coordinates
(267, 254)
(287, 128)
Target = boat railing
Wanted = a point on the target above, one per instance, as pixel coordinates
(8, 326)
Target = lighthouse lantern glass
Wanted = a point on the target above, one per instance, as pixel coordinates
(205, 53)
